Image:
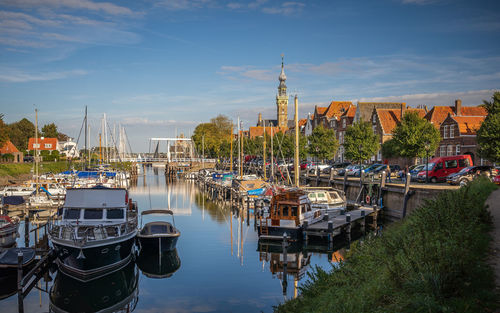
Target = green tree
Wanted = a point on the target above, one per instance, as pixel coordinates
(284, 146)
(322, 143)
(361, 143)
(20, 132)
(50, 130)
(215, 135)
(488, 135)
(413, 135)
(388, 149)
(4, 136)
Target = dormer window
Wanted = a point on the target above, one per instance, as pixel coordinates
(343, 123)
(374, 118)
(452, 131)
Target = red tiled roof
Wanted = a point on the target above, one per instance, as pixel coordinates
(8, 147)
(337, 108)
(438, 114)
(45, 144)
(469, 125)
(420, 112)
(351, 111)
(473, 111)
(388, 118)
(302, 122)
(258, 131)
(320, 111)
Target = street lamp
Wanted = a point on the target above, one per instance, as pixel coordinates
(427, 148)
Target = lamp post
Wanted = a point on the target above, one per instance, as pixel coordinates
(427, 148)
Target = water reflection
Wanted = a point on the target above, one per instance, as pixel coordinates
(158, 265)
(115, 292)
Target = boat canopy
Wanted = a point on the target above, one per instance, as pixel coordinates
(96, 198)
(157, 211)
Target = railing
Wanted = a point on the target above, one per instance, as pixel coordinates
(172, 160)
(83, 233)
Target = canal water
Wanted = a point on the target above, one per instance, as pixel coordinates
(219, 265)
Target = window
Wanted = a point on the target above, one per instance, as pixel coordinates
(451, 164)
(374, 118)
(439, 166)
(442, 151)
(114, 213)
(445, 131)
(344, 123)
(72, 214)
(457, 150)
(294, 211)
(36, 145)
(450, 150)
(452, 131)
(48, 145)
(92, 214)
(285, 211)
(463, 162)
(379, 155)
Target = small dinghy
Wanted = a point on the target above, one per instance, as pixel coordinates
(158, 236)
(8, 231)
(8, 260)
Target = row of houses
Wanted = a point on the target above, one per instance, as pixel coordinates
(65, 148)
(457, 124)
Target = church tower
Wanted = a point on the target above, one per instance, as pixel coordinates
(282, 99)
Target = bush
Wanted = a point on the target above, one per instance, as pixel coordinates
(433, 261)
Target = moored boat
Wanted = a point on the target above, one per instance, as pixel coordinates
(287, 213)
(8, 231)
(96, 233)
(158, 264)
(9, 260)
(158, 235)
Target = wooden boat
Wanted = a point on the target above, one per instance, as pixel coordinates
(8, 260)
(96, 233)
(287, 213)
(158, 235)
(8, 231)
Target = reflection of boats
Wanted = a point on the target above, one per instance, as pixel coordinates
(287, 213)
(97, 231)
(115, 292)
(8, 231)
(8, 260)
(158, 235)
(297, 260)
(158, 265)
(8, 285)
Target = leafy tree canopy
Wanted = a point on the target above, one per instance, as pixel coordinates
(213, 134)
(413, 134)
(488, 135)
(20, 132)
(322, 143)
(4, 136)
(388, 149)
(360, 142)
(50, 131)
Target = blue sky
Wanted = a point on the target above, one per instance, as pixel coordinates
(162, 67)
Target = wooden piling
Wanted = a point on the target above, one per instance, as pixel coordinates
(20, 304)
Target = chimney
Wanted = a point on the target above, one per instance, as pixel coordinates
(260, 119)
(403, 108)
(458, 107)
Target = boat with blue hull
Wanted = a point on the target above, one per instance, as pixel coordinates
(96, 233)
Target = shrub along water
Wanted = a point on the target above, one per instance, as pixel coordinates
(433, 261)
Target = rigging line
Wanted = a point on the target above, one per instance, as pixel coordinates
(77, 140)
(114, 143)
(289, 180)
(128, 142)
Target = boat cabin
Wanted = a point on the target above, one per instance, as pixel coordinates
(289, 206)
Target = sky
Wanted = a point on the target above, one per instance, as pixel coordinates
(159, 68)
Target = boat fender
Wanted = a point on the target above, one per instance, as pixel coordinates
(367, 200)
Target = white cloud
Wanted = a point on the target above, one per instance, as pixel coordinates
(17, 76)
(287, 8)
(178, 5)
(105, 7)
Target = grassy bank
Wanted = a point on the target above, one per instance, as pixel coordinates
(16, 169)
(433, 261)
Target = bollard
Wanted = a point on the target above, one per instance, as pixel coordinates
(348, 218)
(325, 217)
(342, 211)
(19, 282)
(330, 233)
(26, 231)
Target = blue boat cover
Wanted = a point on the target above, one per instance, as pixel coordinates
(13, 200)
(256, 192)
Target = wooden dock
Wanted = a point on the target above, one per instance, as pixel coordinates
(331, 227)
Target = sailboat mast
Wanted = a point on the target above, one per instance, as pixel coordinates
(296, 165)
(36, 149)
(85, 151)
(272, 156)
(264, 153)
(231, 155)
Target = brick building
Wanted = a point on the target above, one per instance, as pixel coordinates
(345, 120)
(9, 148)
(48, 144)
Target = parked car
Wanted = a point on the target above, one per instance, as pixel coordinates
(415, 170)
(320, 167)
(468, 174)
(336, 167)
(444, 166)
(356, 170)
(496, 179)
(368, 170)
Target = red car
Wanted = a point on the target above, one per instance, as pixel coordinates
(496, 179)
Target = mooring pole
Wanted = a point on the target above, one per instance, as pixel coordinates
(20, 304)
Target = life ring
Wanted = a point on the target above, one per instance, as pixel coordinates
(367, 200)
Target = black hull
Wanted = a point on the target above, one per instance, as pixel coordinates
(110, 293)
(155, 244)
(158, 265)
(89, 263)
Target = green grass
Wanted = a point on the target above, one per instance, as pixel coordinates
(16, 169)
(433, 261)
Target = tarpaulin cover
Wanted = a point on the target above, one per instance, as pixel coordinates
(13, 200)
(95, 198)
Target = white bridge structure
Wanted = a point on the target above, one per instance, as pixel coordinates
(178, 150)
